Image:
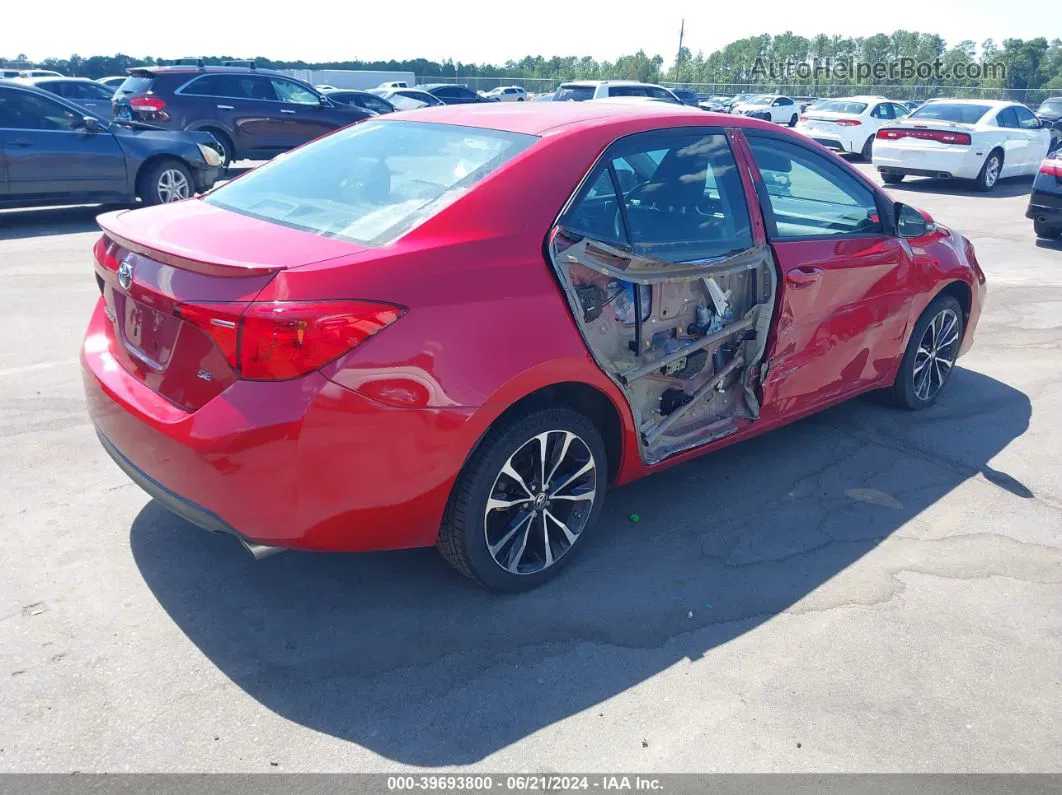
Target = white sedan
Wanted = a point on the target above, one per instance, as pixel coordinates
(980, 140)
(849, 124)
(770, 107)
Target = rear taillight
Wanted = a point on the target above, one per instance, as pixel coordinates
(147, 104)
(275, 341)
(849, 122)
(941, 136)
(1053, 168)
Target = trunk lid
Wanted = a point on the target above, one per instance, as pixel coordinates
(175, 280)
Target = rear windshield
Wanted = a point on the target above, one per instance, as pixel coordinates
(951, 111)
(1051, 106)
(372, 181)
(837, 106)
(574, 94)
(136, 85)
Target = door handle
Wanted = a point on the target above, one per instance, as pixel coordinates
(21, 142)
(283, 110)
(803, 277)
(225, 107)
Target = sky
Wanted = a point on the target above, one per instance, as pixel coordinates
(476, 30)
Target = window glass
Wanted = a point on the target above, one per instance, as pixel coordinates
(289, 91)
(370, 182)
(899, 111)
(840, 106)
(374, 103)
(682, 199)
(883, 111)
(659, 93)
(22, 110)
(137, 85)
(231, 87)
(962, 113)
(1026, 120)
(627, 91)
(574, 93)
(811, 196)
(1006, 118)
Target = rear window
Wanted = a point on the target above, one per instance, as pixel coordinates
(370, 182)
(1051, 107)
(136, 85)
(837, 106)
(951, 111)
(574, 94)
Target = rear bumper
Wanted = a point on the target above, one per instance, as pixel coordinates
(961, 162)
(302, 464)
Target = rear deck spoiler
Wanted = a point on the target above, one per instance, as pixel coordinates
(112, 227)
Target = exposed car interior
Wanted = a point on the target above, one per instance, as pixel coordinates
(656, 256)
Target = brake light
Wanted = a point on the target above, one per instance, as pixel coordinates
(286, 339)
(275, 341)
(849, 122)
(941, 136)
(148, 104)
(1053, 168)
(220, 321)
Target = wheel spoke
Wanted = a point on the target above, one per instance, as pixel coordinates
(926, 354)
(516, 553)
(545, 540)
(564, 528)
(514, 527)
(514, 475)
(560, 458)
(494, 504)
(587, 467)
(543, 449)
(586, 495)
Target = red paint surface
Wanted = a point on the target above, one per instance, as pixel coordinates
(363, 453)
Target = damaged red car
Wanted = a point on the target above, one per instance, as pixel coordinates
(458, 327)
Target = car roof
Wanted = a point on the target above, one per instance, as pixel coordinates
(992, 103)
(192, 69)
(536, 118)
(595, 83)
(34, 81)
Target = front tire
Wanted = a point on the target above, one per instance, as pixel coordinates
(793, 121)
(990, 171)
(1047, 232)
(892, 179)
(930, 356)
(166, 181)
(525, 499)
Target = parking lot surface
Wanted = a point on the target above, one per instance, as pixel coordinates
(866, 590)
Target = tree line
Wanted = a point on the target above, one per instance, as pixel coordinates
(1027, 65)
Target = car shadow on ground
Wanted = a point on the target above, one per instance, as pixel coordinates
(47, 221)
(1005, 188)
(398, 653)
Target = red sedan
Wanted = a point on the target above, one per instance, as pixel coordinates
(457, 327)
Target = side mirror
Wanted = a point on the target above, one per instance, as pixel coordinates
(90, 124)
(323, 101)
(911, 222)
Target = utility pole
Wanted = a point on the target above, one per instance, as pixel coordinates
(682, 31)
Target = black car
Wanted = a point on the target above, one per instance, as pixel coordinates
(1045, 202)
(53, 152)
(686, 97)
(359, 99)
(254, 113)
(1050, 115)
(451, 94)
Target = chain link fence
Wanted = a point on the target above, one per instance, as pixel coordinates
(541, 85)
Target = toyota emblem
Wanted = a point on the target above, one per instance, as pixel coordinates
(125, 275)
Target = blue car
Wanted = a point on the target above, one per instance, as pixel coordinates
(54, 152)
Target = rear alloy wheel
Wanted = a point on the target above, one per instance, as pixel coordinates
(990, 171)
(1047, 232)
(525, 500)
(165, 182)
(930, 355)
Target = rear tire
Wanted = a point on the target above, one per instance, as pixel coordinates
(930, 356)
(868, 150)
(506, 529)
(990, 171)
(892, 179)
(793, 121)
(1047, 232)
(166, 181)
(228, 151)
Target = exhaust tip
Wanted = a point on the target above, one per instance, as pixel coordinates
(260, 551)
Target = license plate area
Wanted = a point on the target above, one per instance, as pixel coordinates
(148, 334)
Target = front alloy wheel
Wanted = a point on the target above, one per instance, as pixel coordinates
(930, 356)
(173, 186)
